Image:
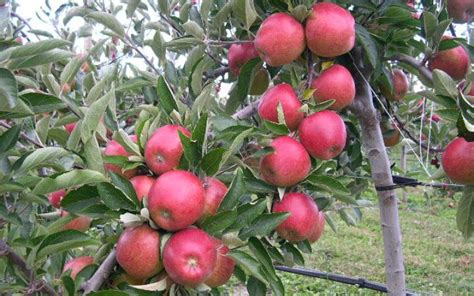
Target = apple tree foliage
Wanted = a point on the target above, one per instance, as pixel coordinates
(152, 63)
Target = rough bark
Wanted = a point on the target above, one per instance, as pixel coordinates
(375, 150)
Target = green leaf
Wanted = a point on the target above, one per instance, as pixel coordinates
(167, 100)
(245, 11)
(97, 90)
(276, 128)
(39, 157)
(93, 115)
(9, 138)
(429, 23)
(158, 46)
(114, 198)
(465, 213)
(210, 163)
(193, 29)
(190, 149)
(79, 200)
(256, 287)
(126, 187)
(328, 184)
(236, 191)
(68, 179)
(51, 56)
(62, 241)
(123, 139)
(8, 89)
(444, 85)
(263, 225)
(70, 70)
(239, 92)
(295, 254)
(40, 103)
(131, 7)
(93, 155)
(247, 213)
(261, 254)
(199, 133)
(249, 264)
(33, 48)
(365, 39)
(75, 11)
(214, 224)
(109, 21)
(235, 146)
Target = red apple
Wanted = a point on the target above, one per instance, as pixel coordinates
(56, 197)
(304, 214)
(334, 83)
(323, 134)
(330, 30)
(458, 161)
(224, 266)
(78, 264)
(163, 150)
(391, 137)
(142, 186)
(176, 200)
(239, 54)
(19, 40)
(215, 191)
(280, 39)
(462, 11)
(138, 252)
(454, 61)
(81, 223)
(435, 117)
(70, 127)
(287, 165)
(113, 148)
(285, 95)
(189, 257)
(318, 228)
(399, 86)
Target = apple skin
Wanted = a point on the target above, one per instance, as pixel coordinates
(334, 83)
(142, 186)
(400, 86)
(462, 11)
(176, 200)
(70, 127)
(113, 148)
(81, 223)
(287, 165)
(280, 39)
(215, 191)
(138, 252)
(163, 150)
(285, 95)
(330, 30)
(435, 117)
(56, 197)
(318, 228)
(239, 54)
(454, 61)
(77, 264)
(391, 139)
(224, 266)
(458, 161)
(304, 214)
(189, 257)
(323, 134)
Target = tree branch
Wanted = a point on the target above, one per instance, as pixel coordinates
(23, 135)
(310, 66)
(216, 73)
(102, 273)
(425, 72)
(401, 125)
(247, 111)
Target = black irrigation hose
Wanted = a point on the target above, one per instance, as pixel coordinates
(360, 282)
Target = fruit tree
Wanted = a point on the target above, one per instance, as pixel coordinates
(165, 146)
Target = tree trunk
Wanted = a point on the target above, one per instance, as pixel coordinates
(403, 166)
(375, 150)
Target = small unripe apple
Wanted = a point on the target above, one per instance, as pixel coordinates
(70, 127)
(260, 83)
(454, 61)
(239, 54)
(280, 39)
(142, 186)
(399, 86)
(323, 134)
(334, 83)
(462, 11)
(287, 165)
(81, 223)
(176, 200)
(189, 257)
(56, 197)
(78, 264)
(458, 161)
(224, 266)
(304, 214)
(318, 228)
(113, 148)
(285, 95)
(391, 137)
(163, 150)
(138, 252)
(435, 117)
(330, 30)
(215, 191)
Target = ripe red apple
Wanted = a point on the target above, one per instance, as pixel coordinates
(56, 197)
(391, 137)
(435, 117)
(163, 150)
(462, 11)
(189, 257)
(318, 228)
(138, 252)
(77, 264)
(287, 165)
(304, 214)
(176, 200)
(330, 30)
(458, 161)
(113, 148)
(215, 191)
(280, 39)
(142, 186)
(239, 54)
(399, 84)
(224, 266)
(323, 134)
(454, 61)
(285, 95)
(334, 83)
(70, 127)
(81, 223)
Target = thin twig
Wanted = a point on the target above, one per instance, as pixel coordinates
(247, 111)
(23, 135)
(129, 42)
(310, 66)
(401, 125)
(425, 72)
(102, 273)
(216, 73)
